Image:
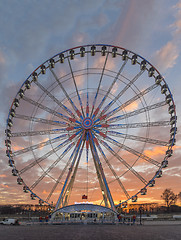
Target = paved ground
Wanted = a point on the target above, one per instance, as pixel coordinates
(93, 232)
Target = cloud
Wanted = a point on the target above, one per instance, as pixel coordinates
(166, 57)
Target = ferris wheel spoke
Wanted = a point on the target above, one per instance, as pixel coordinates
(110, 88)
(61, 175)
(121, 93)
(87, 106)
(43, 132)
(70, 146)
(111, 168)
(39, 145)
(133, 99)
(66, 94)
(137, 112)
(137, 138)
(49, 110)
(123, 161)
(100, 80)
(55, 99)
(41, 120)
(128, 149)
(132, 125)
(46, 155)
(79, 98)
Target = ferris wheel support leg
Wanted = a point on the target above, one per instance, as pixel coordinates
(77, 148)
(70, 186)
(100, 172)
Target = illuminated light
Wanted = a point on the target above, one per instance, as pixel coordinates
(72, 54)
(158, 79)
(114, 52)
(21, 93)
(61, 58)
(151, 72)
(52, 63)
(164, 89)
(35, 76)
(43, 69)
(143, 65)
(134, 59)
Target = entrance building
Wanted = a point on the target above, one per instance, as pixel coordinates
(86, 213)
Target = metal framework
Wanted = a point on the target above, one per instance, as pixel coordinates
(86, 124)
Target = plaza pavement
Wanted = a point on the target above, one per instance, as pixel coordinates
(161, 231)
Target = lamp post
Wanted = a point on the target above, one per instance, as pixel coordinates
(140, 210)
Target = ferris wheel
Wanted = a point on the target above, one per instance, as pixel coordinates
(94, 123)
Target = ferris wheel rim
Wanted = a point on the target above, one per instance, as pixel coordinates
(111, 46)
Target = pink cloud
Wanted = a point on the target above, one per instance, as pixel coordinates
(166, 57)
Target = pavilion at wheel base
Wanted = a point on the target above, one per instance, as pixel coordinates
(84, 213)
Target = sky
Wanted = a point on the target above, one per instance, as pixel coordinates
(33, 31)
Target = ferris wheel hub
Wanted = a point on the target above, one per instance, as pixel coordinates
(87, 123)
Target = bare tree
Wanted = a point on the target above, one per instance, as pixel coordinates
(179, 196)
(169, 197)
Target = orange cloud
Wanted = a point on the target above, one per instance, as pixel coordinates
(16, 148)
(155, 151)
(3, 176)
(132, 106)
(4, 185)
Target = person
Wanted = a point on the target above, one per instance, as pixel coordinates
(119, 217)
(40, 219)
(134, 219)
(46, 218)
